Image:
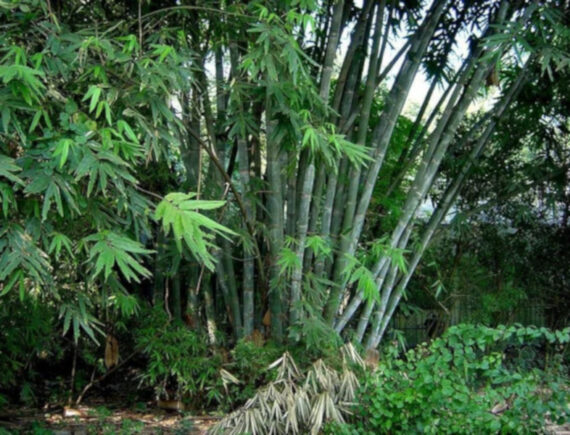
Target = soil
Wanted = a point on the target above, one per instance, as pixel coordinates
(102, 418)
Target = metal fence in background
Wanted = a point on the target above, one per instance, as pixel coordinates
(423, 325)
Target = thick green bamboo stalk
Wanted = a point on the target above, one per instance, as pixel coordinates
(412, 135)
(309, 175)
(365, 106)
(338, 212)
(248, 263)
(192, 158)
(381, 138)
(449, 198)
(255, 153)
(210, 126)
(211, 326)
(351, 119)
(383, 266)
(384, 73)
(333, 187)
(421, 185)
(298, 176)
(463, 94)
(430, 163)
(302, 227)
(379, 315)
(355, 43)
(408, 159)
(275, 223)
(349, 312)
(283, 157)
(350, 90)
(419, 117)
(356, 301)
(414, 196)
(316, 205)
(190, 152)
(230, 299)
(248, 285)
(364, 319)
(231, 282)
(292, 199)
(331, 48)
(326, 219)
(439, 214)
(323, 24)
(216, 163)
(385, 278)
(227, 281)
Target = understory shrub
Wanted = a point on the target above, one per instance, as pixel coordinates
(179, 362)
(27, 339)
(250, 362)
(472, 380)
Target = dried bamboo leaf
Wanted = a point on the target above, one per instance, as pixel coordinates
(291, 422)
(228, 378)
(111, 351)
(348, 385)
(287, 368)
(351, 355)
(292, 405)
(303, 406)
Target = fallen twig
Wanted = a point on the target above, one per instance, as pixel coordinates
(102, 377)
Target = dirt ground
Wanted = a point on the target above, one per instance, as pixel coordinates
(99, 419)
(102, 418)
(558, 430)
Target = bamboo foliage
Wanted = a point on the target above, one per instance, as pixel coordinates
(245, 152)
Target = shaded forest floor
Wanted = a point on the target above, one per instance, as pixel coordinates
(98, 417)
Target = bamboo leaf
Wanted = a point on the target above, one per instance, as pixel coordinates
(196, 230)
(8, 168)
(112, 249)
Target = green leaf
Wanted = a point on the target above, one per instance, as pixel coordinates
(6, 114)
(287, 261)
(28, 76)
(35, 121)
(8, 168)
(62, 150)
(319, 246)
(123, 126)
(8, 286)
(77, 315)
(93, 93)
(52, 193)
(58, 242)
(112, 249)
(196, 230)
(108, 116)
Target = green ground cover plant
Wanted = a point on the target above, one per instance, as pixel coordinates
(472, 380)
